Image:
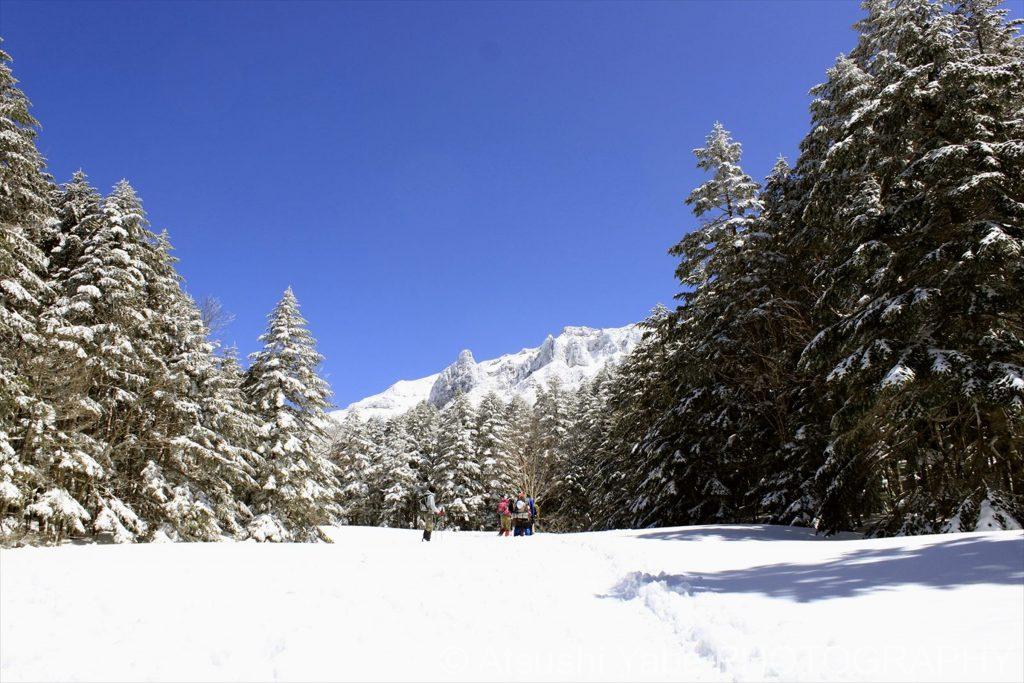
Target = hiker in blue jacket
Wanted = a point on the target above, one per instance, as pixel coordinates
(533, 515)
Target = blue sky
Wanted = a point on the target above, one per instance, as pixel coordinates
(428, 177)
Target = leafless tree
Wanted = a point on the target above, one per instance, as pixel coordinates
(215, 317)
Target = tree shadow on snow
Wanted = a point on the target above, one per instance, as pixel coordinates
(740, 532)
(947, 564)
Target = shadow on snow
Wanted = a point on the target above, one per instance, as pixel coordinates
(946, 564)
(740, 532)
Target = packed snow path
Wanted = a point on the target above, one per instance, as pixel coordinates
(697, 603)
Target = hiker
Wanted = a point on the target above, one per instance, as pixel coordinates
(520, 515)
(532, 504)
(428, 511)
(504, 516)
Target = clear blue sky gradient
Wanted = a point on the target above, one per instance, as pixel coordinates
(428, 177)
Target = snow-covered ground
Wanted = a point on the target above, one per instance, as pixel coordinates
(696, 603)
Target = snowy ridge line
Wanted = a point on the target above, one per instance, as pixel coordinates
(574, 356)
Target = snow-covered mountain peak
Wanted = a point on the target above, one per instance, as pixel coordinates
(575, 355)
(462, 375)
(577, 330)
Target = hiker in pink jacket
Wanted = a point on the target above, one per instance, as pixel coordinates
(504, 517)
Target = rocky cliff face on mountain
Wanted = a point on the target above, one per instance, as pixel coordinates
(575, 355)
(463, 375)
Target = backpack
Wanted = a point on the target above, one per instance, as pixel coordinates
(520, 505)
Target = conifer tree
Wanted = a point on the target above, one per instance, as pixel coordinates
(693, 453)
(79, 215)
(494, 450)
(919, 312)
(236, 427)
(200, 465)
(399, 467)
(521, 443)
(104, 322)
(139, 441)
(457, 472)
(773, 325)
(297, 485)
(570, 506)
(422, 425)
(728, 203)
(25, 220)
(25, 187)
(551, 423)
(350, 452)
(635, 395)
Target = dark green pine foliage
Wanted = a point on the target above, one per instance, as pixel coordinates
(637, 394)
(774, 325)
(849, 353)
(574, 504)
(918, 195)
(696, 452)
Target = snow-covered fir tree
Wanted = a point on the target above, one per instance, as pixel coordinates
(357, 449)
(772, 324)
(422, 425)
(457, 474)
(569, 506)
(77, 205)
(201, 464)
(548, 431)
(852, 357)
(636, 397)
(298, 483)
(728, 202)
(399, 475)
(494, 450)
(104, 319)
(25, 221)
(920, 307)
(521, 443)
(236, 428)
(693, 453)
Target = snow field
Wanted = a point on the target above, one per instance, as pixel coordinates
(696, 603)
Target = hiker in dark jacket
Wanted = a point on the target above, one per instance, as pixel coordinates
(533, 515)
(520, 515)
(429, 511)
